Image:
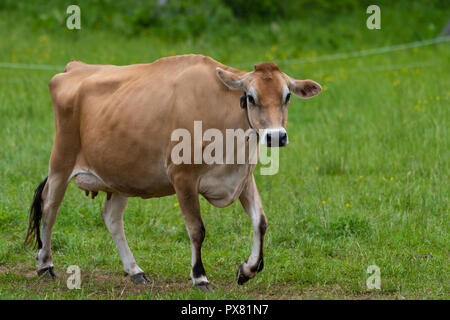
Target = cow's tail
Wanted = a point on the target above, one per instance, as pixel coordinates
(35, 217)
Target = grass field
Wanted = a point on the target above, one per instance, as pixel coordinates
(364, 180)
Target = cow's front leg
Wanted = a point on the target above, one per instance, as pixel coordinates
(252, 205)
(190, 207)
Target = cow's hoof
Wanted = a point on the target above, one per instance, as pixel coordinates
(48, 273)
(140, 278)
(241, 278)
(204, 286)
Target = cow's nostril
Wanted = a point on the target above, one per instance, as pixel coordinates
(283, 139)
(269, 139)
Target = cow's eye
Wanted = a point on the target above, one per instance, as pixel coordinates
(288, 96)
(251, 99)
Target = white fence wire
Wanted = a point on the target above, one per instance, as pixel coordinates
(337, 56)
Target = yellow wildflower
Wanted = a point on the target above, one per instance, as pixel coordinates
(328, 78)
(269, 56)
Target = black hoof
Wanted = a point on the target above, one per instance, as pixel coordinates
(240, 276)
(140, 278)
(204, 286)
(48, 273)
(260, 266)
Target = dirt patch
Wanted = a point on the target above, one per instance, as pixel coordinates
(101, 284)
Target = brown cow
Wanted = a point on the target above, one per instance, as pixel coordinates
(113, 127)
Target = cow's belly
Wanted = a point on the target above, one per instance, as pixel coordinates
(141, 177)
(223, 184)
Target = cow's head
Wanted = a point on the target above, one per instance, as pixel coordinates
(268, 92)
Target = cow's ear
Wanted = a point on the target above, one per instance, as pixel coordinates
(231, 79)
(304, 88)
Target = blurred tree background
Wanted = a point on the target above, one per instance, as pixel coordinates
(248, 20)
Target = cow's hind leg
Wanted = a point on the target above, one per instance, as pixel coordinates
(47, 199)
(112, 214)
(252, 205)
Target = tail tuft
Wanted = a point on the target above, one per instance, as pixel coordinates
(36, 216)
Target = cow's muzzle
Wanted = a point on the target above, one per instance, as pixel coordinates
(274, 137)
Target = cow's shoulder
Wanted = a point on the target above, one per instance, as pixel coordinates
(197, 72)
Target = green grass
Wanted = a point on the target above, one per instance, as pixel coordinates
(364, 180)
